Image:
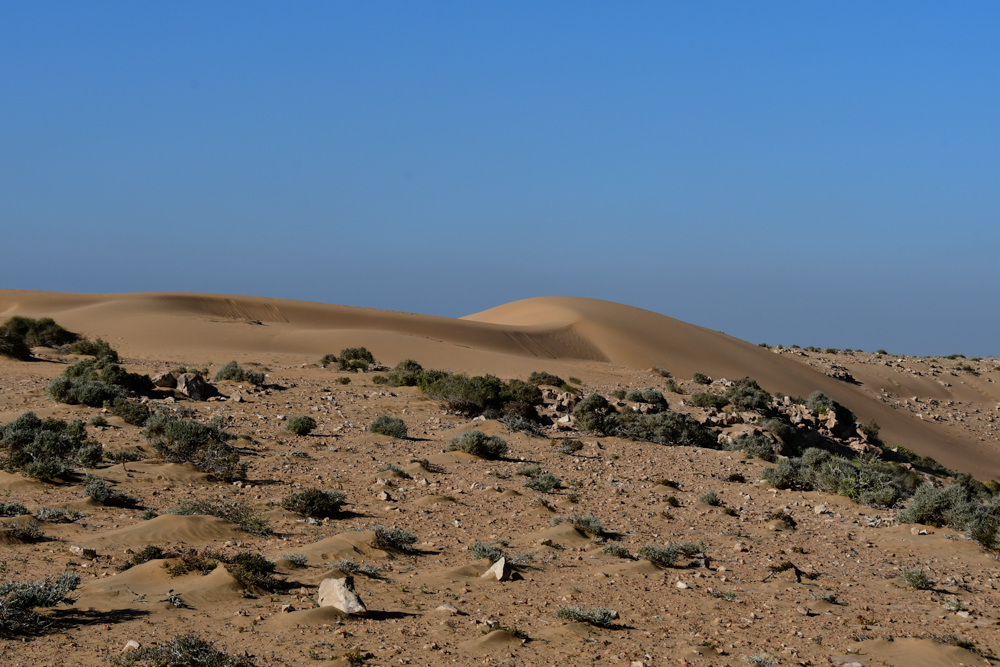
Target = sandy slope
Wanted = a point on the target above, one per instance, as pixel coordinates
(568, 333)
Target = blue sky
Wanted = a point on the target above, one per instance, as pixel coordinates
(812, 173)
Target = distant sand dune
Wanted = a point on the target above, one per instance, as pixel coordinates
(557, 333)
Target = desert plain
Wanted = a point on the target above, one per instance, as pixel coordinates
(756, 575)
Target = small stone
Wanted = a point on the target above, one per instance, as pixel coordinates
(681, 584)
(340, 594)
(287, 608)
(131, 645)
(963, 614)
(384, 496)
(83, 552)
(914, 531)
(820, 509)
(449, 609)
(500, 571)
(739, 547)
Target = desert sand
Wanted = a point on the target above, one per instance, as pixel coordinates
(721, 611)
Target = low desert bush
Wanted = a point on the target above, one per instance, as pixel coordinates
(235, 373)
(616, 550)
(45, 449)
(131, 412)
(124, 456)
(539, 378)
(206, 446)
(181, 651)
(13, 346)
(649, 396)
(354, 359)
(12, 509)
(967, 506)
(602, 617)
(394, 539)
(710, 498)
(348, 566)
(754, 444)
(314, 502)
(394, 427)
(43, 332)
(96, 382)
(665, 428)
(479, 444)
(494, 551)
(144, 555)
(300, 425)
(19, 600)
(589, 524)
(657, 555)
(24, 532)
(701, 378)
(406, 373)
(247, 516)
(543, 482)
(252, 570)
(58, 515)
(102, 492)
(746, 395)
(707, 400)
(916, 577)
(99, 348)
(567, 446)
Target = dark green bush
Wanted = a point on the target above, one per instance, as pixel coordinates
(95, 348)
(12, 509)
(543, 482)
(594, 413)
(649, 396)
(94, 382)
(746, 395)
(301, 425)
(48, 449)
(204, 445)
(355, 359)
(707, 400)
(754, 444)
(479, 444)
(406, 373)
(394, 539)
(103, 493)
(233, 372)
(542, 377)
(13, 345)
(315, 503)
(394, 427)
(665, 428)
(568, 446)
(131, 412)
(43, 332)
(252, 570)
(701, 378)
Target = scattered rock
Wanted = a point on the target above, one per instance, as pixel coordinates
(193, 386)
(500, 571)
(83, 552)
(449, 609)
(167, 380)
(131, 645)
(340, 594)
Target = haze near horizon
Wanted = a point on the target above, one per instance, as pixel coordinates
(816, 175)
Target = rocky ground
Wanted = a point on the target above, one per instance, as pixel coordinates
(843, 602)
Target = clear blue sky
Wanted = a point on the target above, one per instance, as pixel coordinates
(803, 172)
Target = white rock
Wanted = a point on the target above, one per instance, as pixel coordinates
(681, 584)
(500, 571)
(340, 594)
(132, 645)
(83, 552)
(449, 609)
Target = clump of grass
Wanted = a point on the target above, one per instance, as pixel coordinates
(296, 559)
(181, 651)
(12, 509)
(567, 446)
(657, 555)
(479, 444)
(24, 532)
(916, 577)
(394, 427)
(728, 596)
(245, 515)
(529, 470)
(300, 425)
(315, 502)
(348, 566)
(543, 482)
(616, 550)
(710, 498)
(494, 551)
(124, 456)
(233, 372)
(20, 599)
(103, 493)
(602, 617)
(147, 554)
(589, 524)
(57, 515)
(98, 420)
(206, 446)
(396, 469)
(394, 539)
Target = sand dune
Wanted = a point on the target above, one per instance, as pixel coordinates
(556, 333)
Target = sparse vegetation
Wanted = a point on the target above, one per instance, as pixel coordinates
(708, 400)
(479, 444)
(45, 449)
(589, 524)
(235, 373)
(701, 378)
(146, 554)
(394, 539)
(543, 482)
(746, 395)
(916, 577)
(181, 651)
(300, 425)
(19, 600)
(754, 444)
(394, 427)
(96, 382)
(567, 446)
(710, 498)
(494, 551)
(351, 359)
(102, 492)
(247, 516)
(315, 502)
(206, 446)
(602, 617)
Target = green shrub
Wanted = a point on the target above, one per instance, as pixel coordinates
(754, 444)
(94, 382)
(12, 509)
(103, 493)
(710, 498)
(48, 449)
(407, 373)
(355, 359)
(494, 551)
(122, 456)
(746, 395)
(315, 503)
(701, 378)
(301, 425)
(145, 555)
(13, 346)
(538, 378)
(595, 414)
(99, 348)
(602, 617)
(589, 524)
(529, 470)
(657, 555)
(706, 400)
(132, 413)
(90, 454)
(252, 570)
(233, 372)
(98, 420)
(665, 428)
(649, 396)
(43, 332)
(206, 446)
(616, 550)
(568, 446)
(181, 651)
(24, 532)
(479, 444)
(394, 427)
(20, 599)
(544, 482)
(57, 515)
(394, 539)
(916, 577)
(478, 394)
(673, 387)
(245, 515)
